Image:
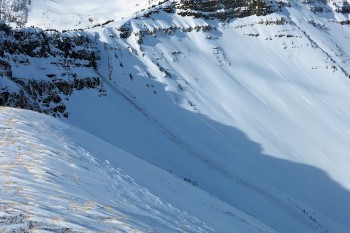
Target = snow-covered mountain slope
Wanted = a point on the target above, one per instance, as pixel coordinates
(67, 14)
(259, 104)
(57, 178)
(252, 110)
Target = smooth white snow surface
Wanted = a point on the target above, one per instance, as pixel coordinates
(68, 14)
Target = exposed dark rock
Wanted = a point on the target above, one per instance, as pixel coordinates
(225, 9)
(45, 91)
(14, 11)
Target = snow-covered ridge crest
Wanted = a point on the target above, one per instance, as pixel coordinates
(66, 14)
(50, 183)
(69, 15)
(56, 178)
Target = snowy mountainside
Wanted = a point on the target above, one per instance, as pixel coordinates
(270, 77)
(252, 110)
(66, 14)
(51, 181)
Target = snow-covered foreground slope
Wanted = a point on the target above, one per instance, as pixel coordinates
(56, 178)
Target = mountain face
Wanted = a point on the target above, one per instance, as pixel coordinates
(37, 50)
(246, 101)
(47, 14)
(14, 11)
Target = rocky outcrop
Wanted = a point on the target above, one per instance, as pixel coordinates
(62, 63)
(14, 11)
(225, 9)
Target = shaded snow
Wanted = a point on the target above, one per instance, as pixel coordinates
(253, 111)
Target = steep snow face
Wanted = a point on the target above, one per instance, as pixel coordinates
(54, 177)
(253, 110)
(67, 14)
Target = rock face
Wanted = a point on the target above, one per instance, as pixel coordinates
(14, 11)
(63, 62)
(228, 9)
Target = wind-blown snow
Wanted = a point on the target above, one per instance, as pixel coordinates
(56, 178)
